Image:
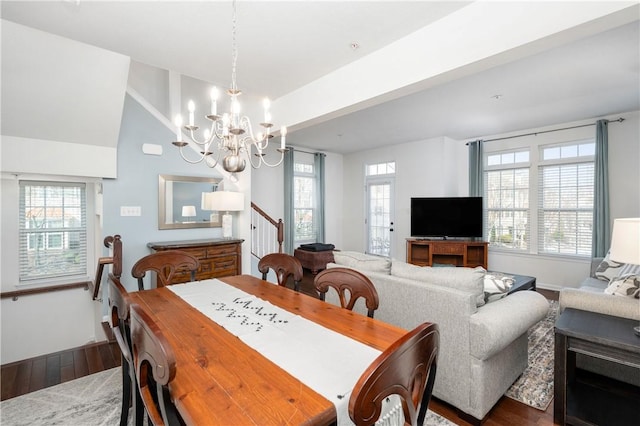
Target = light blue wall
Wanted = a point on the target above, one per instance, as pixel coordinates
(137, 185)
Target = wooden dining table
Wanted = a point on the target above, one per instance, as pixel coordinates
(221, 380)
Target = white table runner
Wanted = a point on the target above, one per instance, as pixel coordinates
(289, 341)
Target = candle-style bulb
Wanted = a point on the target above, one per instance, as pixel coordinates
(283, 133)
(178, 123)
(191, 106)
(214, 98)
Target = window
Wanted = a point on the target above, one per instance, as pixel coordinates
(540, 198)
(381, 169)
(304, 184)
(53, 230)
(507, 195)
(565, 207)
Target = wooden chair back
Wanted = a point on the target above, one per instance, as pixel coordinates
(350, 285)
(408, 369)
(155, 364)
(284, 266)
(119, 306)
(165, 264)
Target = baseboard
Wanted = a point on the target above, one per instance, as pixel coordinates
(546, 286)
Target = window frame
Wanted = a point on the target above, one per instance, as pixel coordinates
(300, 159)
(535, 148)
(508, 166)
(83, 273)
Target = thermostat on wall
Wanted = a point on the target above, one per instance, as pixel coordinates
(151, 149)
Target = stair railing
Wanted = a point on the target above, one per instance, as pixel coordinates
(267, 233)
(114, 243)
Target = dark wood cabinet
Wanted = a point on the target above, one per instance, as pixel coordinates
(449, 252)
(218, 257)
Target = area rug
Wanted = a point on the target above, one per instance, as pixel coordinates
(535, 386)
(92, 400)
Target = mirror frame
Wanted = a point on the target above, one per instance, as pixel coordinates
(162, 202)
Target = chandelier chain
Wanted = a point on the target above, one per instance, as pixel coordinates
(234, 48)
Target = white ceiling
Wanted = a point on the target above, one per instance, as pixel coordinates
(286, 45)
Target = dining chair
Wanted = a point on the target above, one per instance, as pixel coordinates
(120, 327)
(155, 367)
(407, 369)
(165, 264)
(284, 266)
(350, 285)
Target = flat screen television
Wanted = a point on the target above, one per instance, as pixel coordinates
(446, 217)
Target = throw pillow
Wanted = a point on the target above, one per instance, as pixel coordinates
(608, 269)
(365, 262)
(496, 287)
(466, 279)
(625, 285)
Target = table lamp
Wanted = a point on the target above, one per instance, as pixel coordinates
(188, 211)
(225, 201)
(625, 244)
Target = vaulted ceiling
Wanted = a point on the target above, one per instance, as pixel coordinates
(360, 74)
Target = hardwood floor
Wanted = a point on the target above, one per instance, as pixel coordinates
(37, 373)
(26, 376)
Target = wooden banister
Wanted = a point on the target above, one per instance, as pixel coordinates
(115, 243)
(18, 293)
(278, 224)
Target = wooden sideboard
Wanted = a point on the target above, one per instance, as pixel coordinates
(451, 252)
(218, 257)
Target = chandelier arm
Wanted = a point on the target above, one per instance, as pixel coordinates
(266, 163)
(194, 139)
(201, 157)
(250, 156)
(216, 161)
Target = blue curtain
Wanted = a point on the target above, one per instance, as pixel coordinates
(601, 237)
(318, 166)
(289, 219)
(476, 171)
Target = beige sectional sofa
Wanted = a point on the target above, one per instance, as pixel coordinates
(483, 345)
(592, 296)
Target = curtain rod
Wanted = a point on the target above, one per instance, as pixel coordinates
(307, 152)
(619, 120)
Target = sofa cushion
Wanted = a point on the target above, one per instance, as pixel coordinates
(467, 279)
(365, 262)
(608, 269)
(625, 285)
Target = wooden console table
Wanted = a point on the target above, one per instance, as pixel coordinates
(315, 261)
(219, 257)
(452, 252)
(587, 398)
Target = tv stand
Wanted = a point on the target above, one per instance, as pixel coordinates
(468, 253)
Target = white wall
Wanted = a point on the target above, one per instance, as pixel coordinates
(427, 168)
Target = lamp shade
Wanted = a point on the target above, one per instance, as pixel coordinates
(223, 201)
(188, 211)
(625, 241)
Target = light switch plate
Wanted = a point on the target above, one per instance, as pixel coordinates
(130, 211)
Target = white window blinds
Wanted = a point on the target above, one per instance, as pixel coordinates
(53, 230)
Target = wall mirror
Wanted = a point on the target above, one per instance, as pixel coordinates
(180, 202)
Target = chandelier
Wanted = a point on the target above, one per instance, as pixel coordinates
(230, 134)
